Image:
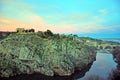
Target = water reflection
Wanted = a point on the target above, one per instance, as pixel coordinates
(115, 73)
(101, 67)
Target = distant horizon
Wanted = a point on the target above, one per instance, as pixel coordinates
(83, 35)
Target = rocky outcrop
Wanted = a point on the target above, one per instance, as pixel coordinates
(116, 54)
(43, 53)
(37, 76)
(115, 73)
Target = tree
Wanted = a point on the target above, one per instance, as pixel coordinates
(31, 30)
(48, 33)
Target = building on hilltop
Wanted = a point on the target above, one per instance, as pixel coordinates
(21, 30)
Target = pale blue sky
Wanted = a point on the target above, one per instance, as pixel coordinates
(96, 18)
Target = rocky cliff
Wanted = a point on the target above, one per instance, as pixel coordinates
(43, 52)
(116, 54)
(115, 74)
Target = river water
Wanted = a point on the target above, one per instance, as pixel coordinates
(101, 67)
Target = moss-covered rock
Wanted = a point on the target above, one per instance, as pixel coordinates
(46, 53)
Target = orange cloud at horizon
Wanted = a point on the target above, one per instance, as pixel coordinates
(39, 25)
(11, 25)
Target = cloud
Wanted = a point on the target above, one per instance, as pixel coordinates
(15, 9)
(40, 25)
(88, 28)
(103, 11)
(4, 21)
(18, 14)
(33, 18)
(11, 24)
(80, 23)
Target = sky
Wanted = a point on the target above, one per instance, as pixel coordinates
(94, 18)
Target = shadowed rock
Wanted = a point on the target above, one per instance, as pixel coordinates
(115, 73)
(116, 54)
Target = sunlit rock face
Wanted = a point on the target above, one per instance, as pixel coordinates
(43, 52)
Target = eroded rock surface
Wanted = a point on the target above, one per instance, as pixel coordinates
(45, 53)
(116, 54)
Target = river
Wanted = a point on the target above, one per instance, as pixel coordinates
(101, 67)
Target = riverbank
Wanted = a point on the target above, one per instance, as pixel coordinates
(101, 68)
(115, 73)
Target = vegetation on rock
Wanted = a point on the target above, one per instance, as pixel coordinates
(43, 52)
(99, 44)
(27, 52)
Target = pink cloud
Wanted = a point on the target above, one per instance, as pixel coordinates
(36, 22)
(11, 25)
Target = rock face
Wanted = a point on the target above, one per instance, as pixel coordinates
(43, 52)
(116, 54)
(115, 74)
